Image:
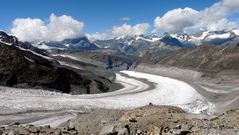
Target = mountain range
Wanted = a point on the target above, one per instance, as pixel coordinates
(137, 45)
(80, 43)
(121, 52)
(142, 43)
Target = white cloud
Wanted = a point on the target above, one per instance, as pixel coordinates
(100, 36)
(222, 25)
(58, 28)
(122, 30)
(213, 18)
(232, 5)
(126, 29)
(176, 20)
(126, 18)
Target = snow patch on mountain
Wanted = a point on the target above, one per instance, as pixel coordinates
(45, 46)
(222, 36)
(149, 39)
(236, 32)
(5, 43)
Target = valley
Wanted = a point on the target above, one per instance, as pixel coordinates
(158, 92)
(74, 80)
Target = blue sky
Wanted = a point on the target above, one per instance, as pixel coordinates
(97, 15)
(48, 17)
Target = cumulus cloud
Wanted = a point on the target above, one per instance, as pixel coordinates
(58, 28)
(176, 20)
(126, 18)
(213, 18)
(222, 24)
(126, 29)
(122, 30)
(232, 5)
(100, 36)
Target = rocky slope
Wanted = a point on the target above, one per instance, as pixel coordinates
(202, 58)
(163, 120)
(9, 39)
(87, 53)
(22, 66)
(109, 60)
(211, 70)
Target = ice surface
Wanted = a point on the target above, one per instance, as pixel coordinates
(135, 93)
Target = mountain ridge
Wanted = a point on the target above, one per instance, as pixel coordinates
(22, 66)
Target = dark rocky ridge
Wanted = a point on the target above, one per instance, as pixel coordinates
(4, 37)
(24, 68)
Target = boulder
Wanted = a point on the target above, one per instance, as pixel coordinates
(115, 129)
(23, 131)
(71, 125)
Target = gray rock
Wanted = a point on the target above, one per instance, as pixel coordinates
(57, 132)
(184, 127)
(104, 121)
(123, 131)
(23, 131)
(139, 132)
(108, 129)
(118, 129)
(33, 129)
(15, 123)
(11, 133)
(71, 125)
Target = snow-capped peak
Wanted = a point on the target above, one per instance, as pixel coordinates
(218, 35)
(81, 42)
(221, 36)
(148, 38)
(204, 35)
(236, 32)
(132, 38)
(186, 39)
(121, 37)
(7, 39)
(181, 37)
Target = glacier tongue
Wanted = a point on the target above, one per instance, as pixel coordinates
(136, 93)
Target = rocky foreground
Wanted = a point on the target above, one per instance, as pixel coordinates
(148, 120)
